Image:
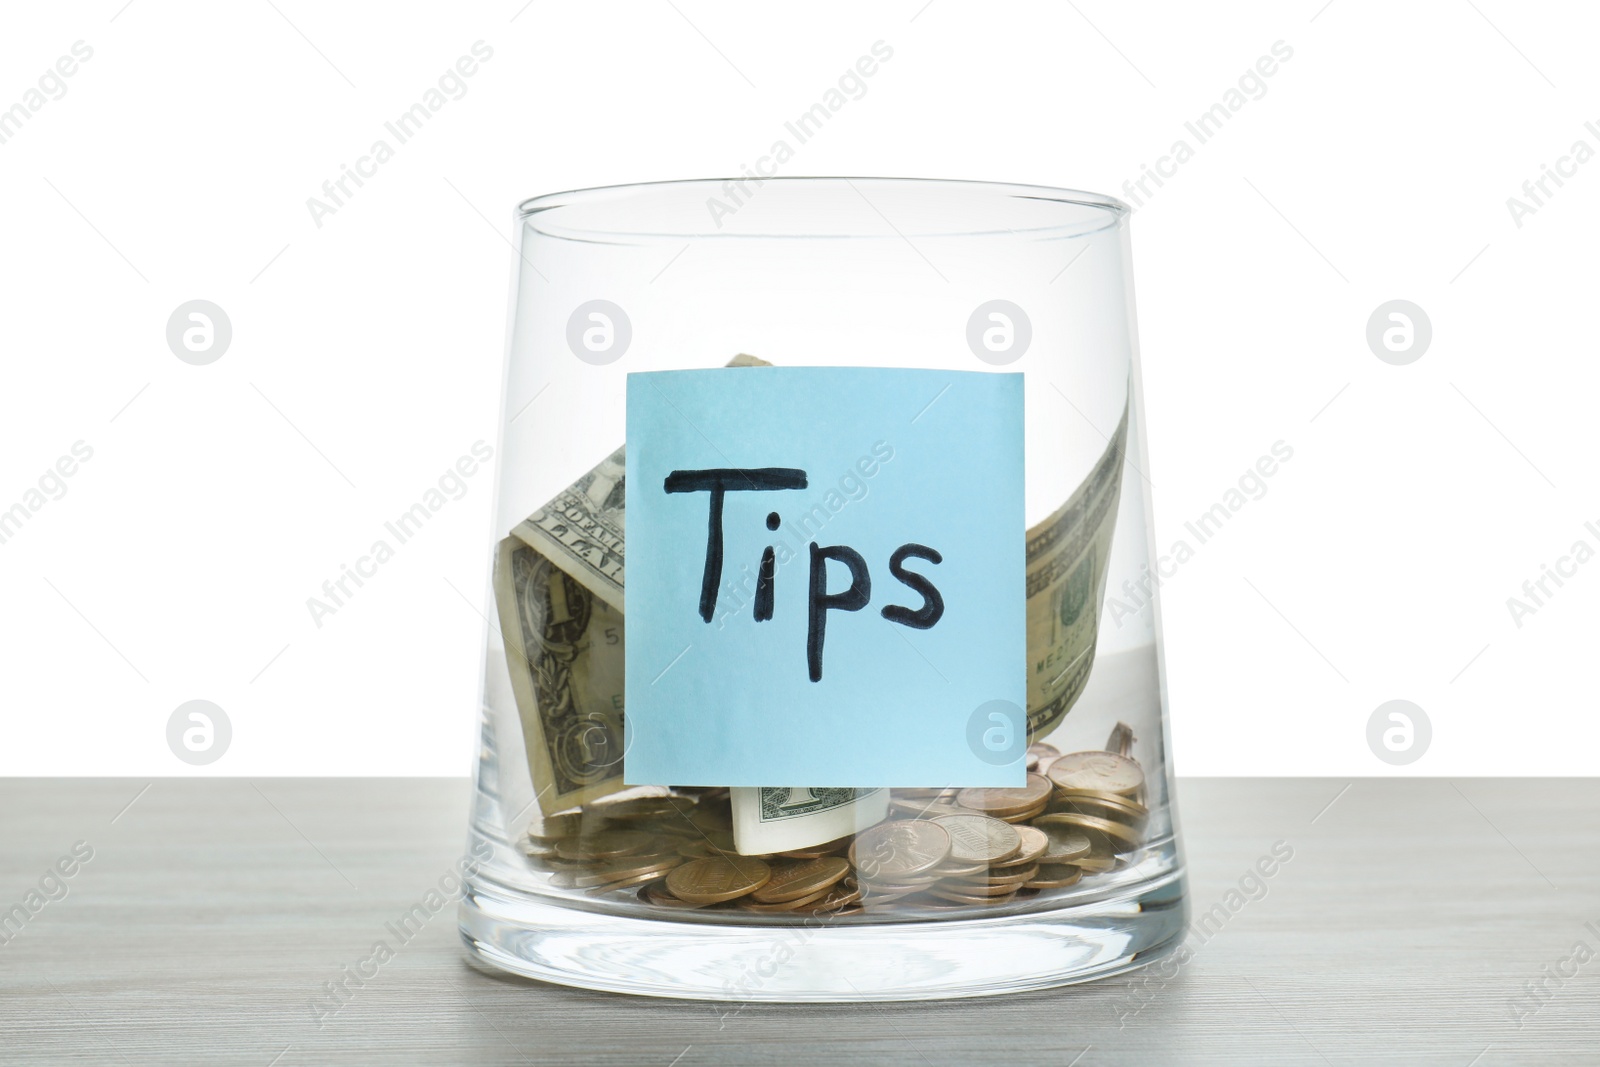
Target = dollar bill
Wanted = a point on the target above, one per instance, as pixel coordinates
(776, 819)
(564, 652)
(558, 582)
(1065, 565)
(584, 528)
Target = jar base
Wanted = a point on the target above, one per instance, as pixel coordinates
(823, 962)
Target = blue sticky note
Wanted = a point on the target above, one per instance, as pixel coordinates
(885, 645)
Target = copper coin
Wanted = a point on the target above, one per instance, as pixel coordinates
(949, 869)
(813, 852)
(1131, 813)
(708, 843)
(717, 878)
(980, 839)
(967, 898)
(837, 896)
(625, 883)
(1056, 876)
(927, 905)
(980, 890)
(627, 867)
(1041, 755)
(908, 882)
(1003, 802)
(1035, 842)
(1067, 844)
(1123, 838)
(801, 878)
(927, 809)
(556, 863)
(712, 817)
(899, 848)
(1011, 878)
(552, 828)
(1025, 816)
(656, 893)
(1105, 772)
(750, 903)
(1064, 795)
(648, 807)
(872, 891)
(604, 844)
(1096, 864)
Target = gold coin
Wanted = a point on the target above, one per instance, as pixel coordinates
(1003, 802)
(899, 848)
(980, 839)
(604, 844)
(1105, 772)
(1122, 838)
(801, 878)
(1056, 876)
(717, 878)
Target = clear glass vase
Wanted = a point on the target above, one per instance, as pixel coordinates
(1049, 854)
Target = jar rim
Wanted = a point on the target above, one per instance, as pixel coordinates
(656, 210)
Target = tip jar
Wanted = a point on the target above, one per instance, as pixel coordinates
(802, 680)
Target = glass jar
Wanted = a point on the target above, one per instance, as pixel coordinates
(1050, 853)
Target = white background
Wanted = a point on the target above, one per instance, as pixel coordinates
(366, 353)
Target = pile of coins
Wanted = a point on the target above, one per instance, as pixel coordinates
(677, 851)
(1078, 815)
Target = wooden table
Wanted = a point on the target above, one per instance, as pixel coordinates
(1405, 928)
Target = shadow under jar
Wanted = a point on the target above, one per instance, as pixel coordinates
(1055, 857)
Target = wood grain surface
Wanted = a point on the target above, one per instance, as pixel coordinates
(1405, 928)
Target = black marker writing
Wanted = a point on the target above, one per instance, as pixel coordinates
(932, 609)
(718, 481)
